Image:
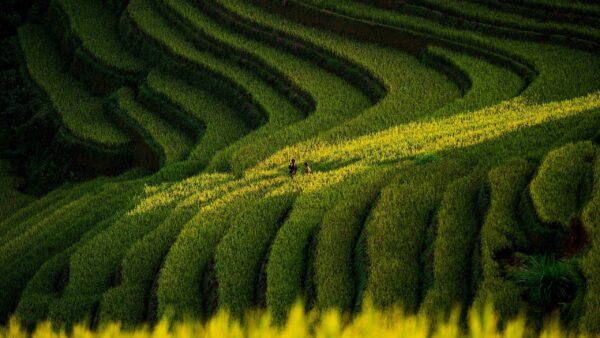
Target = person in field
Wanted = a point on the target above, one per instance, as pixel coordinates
(293, 167)
(307, 170)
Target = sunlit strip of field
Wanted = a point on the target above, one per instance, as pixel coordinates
(433, 136)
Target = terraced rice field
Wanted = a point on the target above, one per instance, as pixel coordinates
(454, 148)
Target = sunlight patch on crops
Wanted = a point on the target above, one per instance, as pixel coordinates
(433, 136)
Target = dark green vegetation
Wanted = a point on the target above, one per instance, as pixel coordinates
(454, 148)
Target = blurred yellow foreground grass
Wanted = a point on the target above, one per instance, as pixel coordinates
(330, 324)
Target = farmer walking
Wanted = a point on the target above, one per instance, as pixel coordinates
(293, 169)
(307, 170)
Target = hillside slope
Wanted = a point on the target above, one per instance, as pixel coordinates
(454, 154)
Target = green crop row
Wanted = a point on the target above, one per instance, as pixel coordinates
(351, 72)
(555, 80)
(287, 262)
(490, 84)
(449, 68)
(532, 142)
(92, 267)
(554, 20)
(184, 267)
(207, 36)
(457, 232)
(396, 233)
(337, 238)
(81, 113)
(464, 14)
(147, 152)
(239, 255)
(133, 300)
(590, 263)
(160, 193)
(500, 235)
(403, 76)
(555, 190)
(158, 104)
(150, 32)
(95, 26)
(177, 45)
(23, 256)
(48, 283)
(171, 141)
(88, 33)
(223, 126)
(12, 225)
(29, 216)
(367, 23)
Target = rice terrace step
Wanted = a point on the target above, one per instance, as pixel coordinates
(306, 168)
